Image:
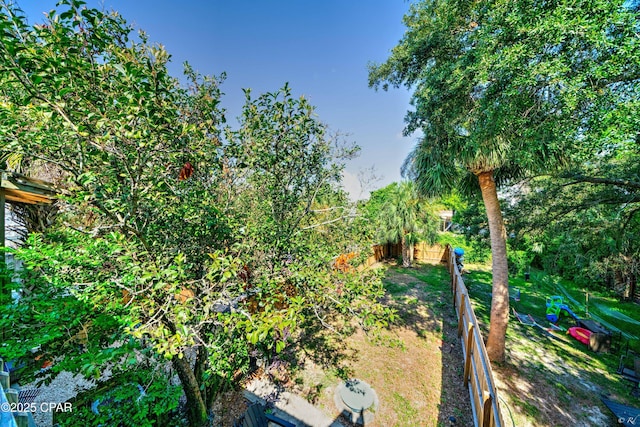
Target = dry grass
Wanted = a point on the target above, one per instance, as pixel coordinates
(415, 367)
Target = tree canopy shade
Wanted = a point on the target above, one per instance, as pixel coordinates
(502, 89)
(584, 222)
(180, 245)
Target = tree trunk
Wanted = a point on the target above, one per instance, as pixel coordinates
(196, 408)
(500, 293)
(406, 258)
(411, 253)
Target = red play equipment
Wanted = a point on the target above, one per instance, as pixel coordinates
(581, 334)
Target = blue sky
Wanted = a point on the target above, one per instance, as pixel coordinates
(320, 47)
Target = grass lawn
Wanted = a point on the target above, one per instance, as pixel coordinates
(415, 367)
(549, 378)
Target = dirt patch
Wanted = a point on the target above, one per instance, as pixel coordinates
(228, 407)
(543, 385)
(416, 367)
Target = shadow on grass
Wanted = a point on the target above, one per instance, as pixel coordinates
(424, 303)
(549, 378)
(322, 348)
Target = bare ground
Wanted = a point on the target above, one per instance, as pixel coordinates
(541, 387)
(415, 367)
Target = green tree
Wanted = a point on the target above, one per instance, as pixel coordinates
(504, 89)
(582, 222)
(403, 216)
(77, 93)
(288, 162)
(161, 254)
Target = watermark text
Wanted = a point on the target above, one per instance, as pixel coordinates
(36, 407)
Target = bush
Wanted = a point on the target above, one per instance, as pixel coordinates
(519, 261)
(474, 251)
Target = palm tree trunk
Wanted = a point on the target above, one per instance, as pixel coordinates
(500, 294)
(411, 253)
(406, 259)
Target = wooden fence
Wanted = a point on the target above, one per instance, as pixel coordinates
(421, 252)
(478, 376)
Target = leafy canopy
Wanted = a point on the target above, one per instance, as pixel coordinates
(181, 245)
(509, 86)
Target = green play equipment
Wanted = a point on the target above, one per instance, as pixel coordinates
(555, 305)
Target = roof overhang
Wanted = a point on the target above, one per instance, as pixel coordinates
(446, 214)
(21, 189)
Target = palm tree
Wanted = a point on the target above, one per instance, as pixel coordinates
(468, 170)
(504, 90)
(497, 99)
(404, 218)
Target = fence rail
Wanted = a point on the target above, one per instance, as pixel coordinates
(422, 252)
(478, 376)
(9, 401)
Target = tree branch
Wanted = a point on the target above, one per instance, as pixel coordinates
(579, 178)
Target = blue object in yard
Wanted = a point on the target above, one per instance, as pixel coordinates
(458, 251)
(555, 305)
(553, 313)
(571, 313)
